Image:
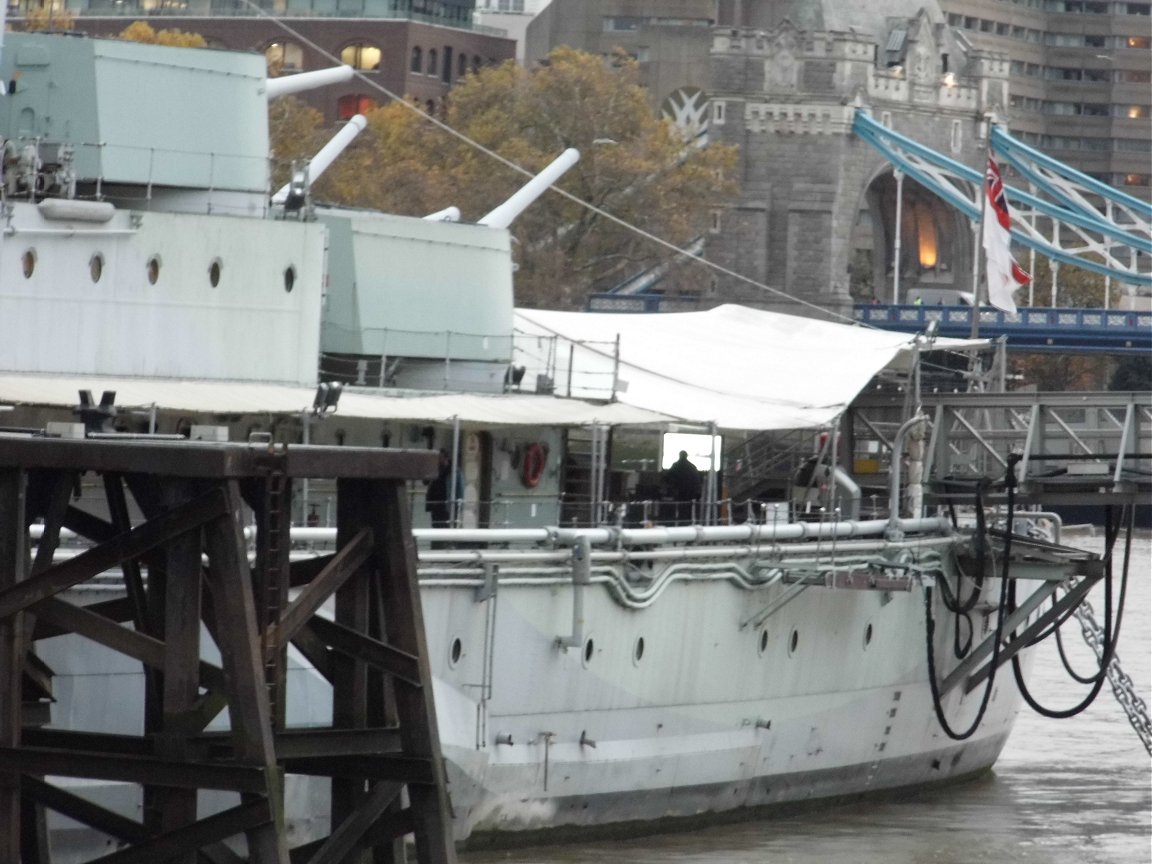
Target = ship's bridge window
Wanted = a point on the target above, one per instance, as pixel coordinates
(352, 104)
(284, 57)
(361, 55)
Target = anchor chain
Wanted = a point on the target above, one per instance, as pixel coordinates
(1122, 686)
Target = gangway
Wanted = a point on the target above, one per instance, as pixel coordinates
(1073, 448)
(1088, 223)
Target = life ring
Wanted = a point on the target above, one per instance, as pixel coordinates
(532, 465)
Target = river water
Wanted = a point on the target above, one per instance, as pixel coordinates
(1076, 791)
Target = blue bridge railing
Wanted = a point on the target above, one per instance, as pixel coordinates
(1111, 331)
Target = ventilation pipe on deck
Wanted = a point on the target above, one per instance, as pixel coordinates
(506, 213)
(301, 81)
(325, 157)
(849, 489)
(894, 530)
(581, 576)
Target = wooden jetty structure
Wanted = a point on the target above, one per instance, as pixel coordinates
(175, 524)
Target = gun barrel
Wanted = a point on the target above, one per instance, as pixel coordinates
(506, 213)
(301, 81)
(327, 155)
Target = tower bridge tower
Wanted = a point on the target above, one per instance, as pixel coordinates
(817, 213)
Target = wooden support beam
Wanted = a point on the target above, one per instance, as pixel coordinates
(367, 766)
(313, 743)
(84, 811)
(175, 808)
(349, 837)
(384, 508)
(246, 817)
(334, 574)
(315, 652)
(13, 567)
(349, 672)
(146, 649)
(118, 610)
(365, 649)
(131, 769)
(14, 598)
(238, 638)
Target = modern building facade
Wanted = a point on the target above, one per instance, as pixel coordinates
(1080, 79)
(400, 48)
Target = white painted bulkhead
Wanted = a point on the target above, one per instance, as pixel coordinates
(161, 295)
(709, 717)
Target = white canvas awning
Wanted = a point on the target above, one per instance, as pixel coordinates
(740, 368)
(225, 397)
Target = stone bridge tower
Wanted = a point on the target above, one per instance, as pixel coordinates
(816, 217)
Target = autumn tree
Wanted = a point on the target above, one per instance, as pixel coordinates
(51, 17)
(635, 166)
(142, 31)
(1076, 287)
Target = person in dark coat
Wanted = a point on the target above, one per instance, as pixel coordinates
(436, 498)
(684, 483)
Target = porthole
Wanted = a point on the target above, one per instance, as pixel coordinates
(455, 652)
(763, 646)
(96, 267)
(289, 279)
(867, 635)
(793, 642)
(589, 650)
(638, 650)
(214, 272)
(153, 269)
(29, 261)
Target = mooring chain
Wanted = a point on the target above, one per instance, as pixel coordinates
(1122, 686)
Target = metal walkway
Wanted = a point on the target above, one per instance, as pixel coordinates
(1073, 448)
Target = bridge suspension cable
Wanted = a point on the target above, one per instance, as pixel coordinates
(1066, 215)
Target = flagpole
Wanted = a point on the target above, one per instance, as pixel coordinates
(977, 227)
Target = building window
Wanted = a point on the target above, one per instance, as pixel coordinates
(352, 104)
(362, 56)
(476, 63)
(417, 64)
(1135, 112)
(284, 57)
(1135, 179)
(446, 71)
(461, 65)
(1138, 42)
(433, 62)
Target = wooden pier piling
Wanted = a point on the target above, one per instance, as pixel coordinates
(173, 522)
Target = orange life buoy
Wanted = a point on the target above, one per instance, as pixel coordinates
(532, 465)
